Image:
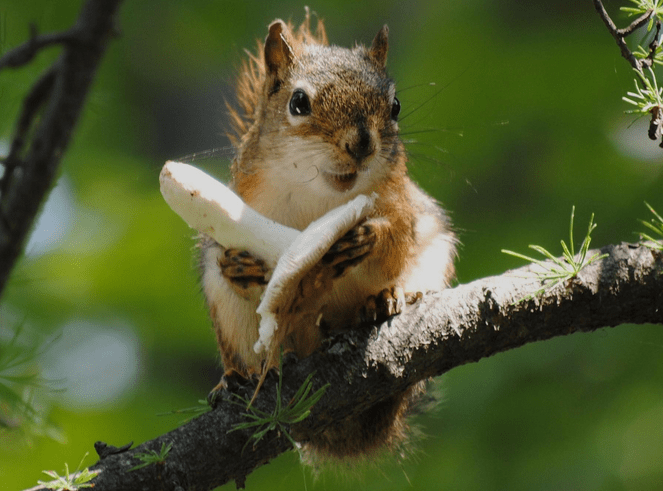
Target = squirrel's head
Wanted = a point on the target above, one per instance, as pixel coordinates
(328, 114)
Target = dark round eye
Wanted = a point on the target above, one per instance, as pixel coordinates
(395, 109)
(299, 103)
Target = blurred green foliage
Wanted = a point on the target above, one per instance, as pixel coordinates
(524, 120)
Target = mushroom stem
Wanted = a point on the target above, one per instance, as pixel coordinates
(214, 209)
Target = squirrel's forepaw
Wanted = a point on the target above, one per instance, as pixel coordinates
(351, 249)
(387, 303)
(243, 270)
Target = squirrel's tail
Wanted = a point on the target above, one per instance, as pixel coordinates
(382, 427)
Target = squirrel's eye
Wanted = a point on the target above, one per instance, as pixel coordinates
(299, 103)
(395, 109)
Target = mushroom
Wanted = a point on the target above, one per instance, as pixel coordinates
(213, 209)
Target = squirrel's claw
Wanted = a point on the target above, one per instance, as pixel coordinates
(231, 381)
(387, 303)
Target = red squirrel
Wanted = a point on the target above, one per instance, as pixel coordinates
(317, 125)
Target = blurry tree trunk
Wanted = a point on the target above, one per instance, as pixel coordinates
(49, 114)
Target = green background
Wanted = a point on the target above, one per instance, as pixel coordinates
(525, 120)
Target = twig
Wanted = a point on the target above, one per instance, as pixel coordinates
(636, 24)
(24, 53)
(655, 43)
(621, 34)
(650, 96)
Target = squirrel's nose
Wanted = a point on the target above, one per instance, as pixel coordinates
(360, 145)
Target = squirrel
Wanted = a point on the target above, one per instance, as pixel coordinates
(317, 126)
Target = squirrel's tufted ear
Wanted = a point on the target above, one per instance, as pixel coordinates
(380, 46)
(278, 51)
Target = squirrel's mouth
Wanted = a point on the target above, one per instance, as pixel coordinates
(341, 182)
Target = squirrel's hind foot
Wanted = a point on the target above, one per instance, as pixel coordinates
(237, 383)
(234, 382)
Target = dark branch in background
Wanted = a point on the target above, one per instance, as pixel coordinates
(443, 331)
(620, 35)
(49, 114)
(639, 65)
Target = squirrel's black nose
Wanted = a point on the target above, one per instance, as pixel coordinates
(361, 146)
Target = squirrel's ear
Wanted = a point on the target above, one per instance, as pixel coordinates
(278, 50)
(380, 46)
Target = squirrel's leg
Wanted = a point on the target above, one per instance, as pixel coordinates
(235, 375)
(374, 238)
(244, 275)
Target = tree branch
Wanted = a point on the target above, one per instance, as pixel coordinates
(639, 65)
(620, 34)
(443, 331)
(58, 97)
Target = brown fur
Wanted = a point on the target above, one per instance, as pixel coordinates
(294, 168)
(249, 85)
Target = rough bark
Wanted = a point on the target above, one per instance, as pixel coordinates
(442, 331)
